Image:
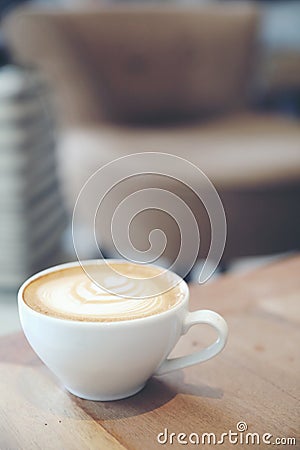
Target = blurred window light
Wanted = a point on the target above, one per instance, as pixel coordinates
(280, 28)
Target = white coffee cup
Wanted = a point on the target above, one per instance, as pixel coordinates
(113, 360)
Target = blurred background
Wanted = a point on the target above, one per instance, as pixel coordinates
(85, 82)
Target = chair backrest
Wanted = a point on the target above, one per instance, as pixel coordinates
(141, 63)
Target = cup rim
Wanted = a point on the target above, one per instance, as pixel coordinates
(98, 323)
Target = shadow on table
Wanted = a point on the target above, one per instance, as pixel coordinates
(156, 393)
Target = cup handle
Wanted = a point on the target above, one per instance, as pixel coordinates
(193, 318)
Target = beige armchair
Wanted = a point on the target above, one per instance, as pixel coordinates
(182, 66)
(134, 64)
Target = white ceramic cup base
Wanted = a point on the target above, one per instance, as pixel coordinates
(112, 360)
(106, 398)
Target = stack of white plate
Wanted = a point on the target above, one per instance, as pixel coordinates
(31, 207)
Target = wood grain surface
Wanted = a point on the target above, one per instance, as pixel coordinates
(254, 380)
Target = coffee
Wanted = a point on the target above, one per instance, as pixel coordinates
(103, 292)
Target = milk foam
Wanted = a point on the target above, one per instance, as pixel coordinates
(71, 293)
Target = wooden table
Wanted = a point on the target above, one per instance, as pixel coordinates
(255, 380)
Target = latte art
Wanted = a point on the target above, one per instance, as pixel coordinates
(113, 293)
